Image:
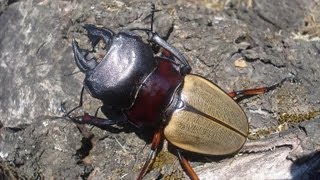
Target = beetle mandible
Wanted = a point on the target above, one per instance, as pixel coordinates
(158, 92)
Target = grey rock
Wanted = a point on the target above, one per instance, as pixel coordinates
(275, 39)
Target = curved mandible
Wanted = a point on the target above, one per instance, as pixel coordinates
(83, 64)
(95, 34)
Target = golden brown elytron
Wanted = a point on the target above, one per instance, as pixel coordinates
(209, 122)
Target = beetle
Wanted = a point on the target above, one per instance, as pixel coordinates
(159, 92)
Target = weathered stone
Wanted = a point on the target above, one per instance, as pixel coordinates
(276, 40)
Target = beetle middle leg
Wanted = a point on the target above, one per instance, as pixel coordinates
(186, 166)
(156, 142)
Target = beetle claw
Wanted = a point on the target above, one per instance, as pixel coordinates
(83, 64)
(62, 108)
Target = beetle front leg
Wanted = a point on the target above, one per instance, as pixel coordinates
(186, 166)
(152, 155)
(185, 68)
(95, 121)
(67, 114)
(88, 119)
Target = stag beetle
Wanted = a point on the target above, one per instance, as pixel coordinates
(158, 91)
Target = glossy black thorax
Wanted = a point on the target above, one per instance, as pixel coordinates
(119, 75)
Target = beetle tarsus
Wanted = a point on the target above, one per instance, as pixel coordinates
(91, 120)
(63, 109)
(273, 87)
(86, 118)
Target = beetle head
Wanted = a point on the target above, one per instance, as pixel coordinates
(116, 79)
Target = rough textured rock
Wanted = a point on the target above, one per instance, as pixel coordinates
(236, 44)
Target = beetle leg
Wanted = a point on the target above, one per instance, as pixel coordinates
(186, 166)
(73, 109)
(88, 119)
(185, 67)
(152, 155)
(256, 91)
(94, 120)
(154, 37)
(248, 92)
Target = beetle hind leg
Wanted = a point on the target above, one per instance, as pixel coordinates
(260, 90)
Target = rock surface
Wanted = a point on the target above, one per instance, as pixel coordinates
(236, 44)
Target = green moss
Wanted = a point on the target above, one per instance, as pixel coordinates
(165, 158)
(261, 132)
(177, 174)
(297, 118)
(284, 122)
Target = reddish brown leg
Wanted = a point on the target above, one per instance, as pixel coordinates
(256, 91)
(248, 92)
(186, 166)
(152, 155)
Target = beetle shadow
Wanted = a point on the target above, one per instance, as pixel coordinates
(145, 134)
(243, 97)
(306, 167)
(200, 158)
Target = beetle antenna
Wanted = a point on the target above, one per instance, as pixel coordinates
(153, 7)
(151, 15)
